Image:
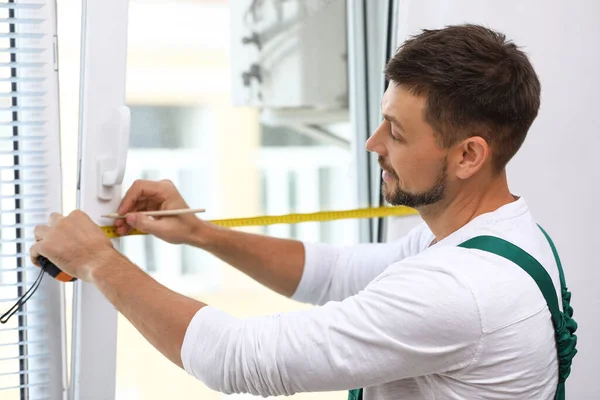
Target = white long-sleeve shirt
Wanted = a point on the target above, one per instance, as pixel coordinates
(404, 320)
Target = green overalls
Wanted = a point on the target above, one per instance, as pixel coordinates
(564, 325)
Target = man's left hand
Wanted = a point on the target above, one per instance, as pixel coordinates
(75, 244)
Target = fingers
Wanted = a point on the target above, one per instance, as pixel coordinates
(34, 253)
(143, 195)
(140, 190)
(122, 227)
(141, 222)
(55, 218)
(72, 239)
(142, 205)
(79, 214)
(130, 198)
(41, 231)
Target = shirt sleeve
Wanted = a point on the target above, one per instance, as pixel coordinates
(411, 321)
(335, 272)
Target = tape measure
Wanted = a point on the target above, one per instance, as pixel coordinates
(322, 216)
(49, 268)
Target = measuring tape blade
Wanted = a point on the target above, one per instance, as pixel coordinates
(321, 216)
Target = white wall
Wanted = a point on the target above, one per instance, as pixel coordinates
(557, 169)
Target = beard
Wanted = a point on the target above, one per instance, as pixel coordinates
(399, 197)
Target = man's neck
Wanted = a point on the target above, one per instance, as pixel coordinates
(460, 208)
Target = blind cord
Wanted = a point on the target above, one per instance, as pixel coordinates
(27, 295)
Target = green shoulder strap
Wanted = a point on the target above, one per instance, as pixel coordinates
(564, 325)
(355, 394)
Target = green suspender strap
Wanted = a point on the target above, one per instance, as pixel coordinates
(564, 325)
(355, 394)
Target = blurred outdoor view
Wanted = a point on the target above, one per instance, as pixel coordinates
(222, 158)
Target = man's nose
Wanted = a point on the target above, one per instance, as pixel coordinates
(376, 144)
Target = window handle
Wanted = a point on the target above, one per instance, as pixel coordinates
(111, 168)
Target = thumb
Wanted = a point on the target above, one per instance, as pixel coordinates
(141, 222)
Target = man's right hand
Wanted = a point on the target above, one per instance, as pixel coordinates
(274, 262)
(154, 196)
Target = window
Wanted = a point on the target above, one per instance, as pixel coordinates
(234, 160)
(180, 137)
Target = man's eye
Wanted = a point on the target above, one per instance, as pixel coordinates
(394, 137)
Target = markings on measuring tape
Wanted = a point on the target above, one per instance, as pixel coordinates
(321, 216)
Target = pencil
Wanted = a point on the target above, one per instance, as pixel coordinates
(163, 213)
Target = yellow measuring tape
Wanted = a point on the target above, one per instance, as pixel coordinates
(322, 216)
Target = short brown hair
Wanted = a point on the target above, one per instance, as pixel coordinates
(476, 83)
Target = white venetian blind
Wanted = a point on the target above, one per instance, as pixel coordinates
(32, 362)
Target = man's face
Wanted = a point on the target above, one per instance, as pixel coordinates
(414, 166)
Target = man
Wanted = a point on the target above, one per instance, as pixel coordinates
(420, 318)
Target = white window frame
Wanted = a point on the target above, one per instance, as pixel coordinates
(103, 142)
(370, 40)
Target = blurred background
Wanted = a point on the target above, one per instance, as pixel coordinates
(224, 155)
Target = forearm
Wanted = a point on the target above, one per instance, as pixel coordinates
(276, 263)
(379, 335)
(159, 314)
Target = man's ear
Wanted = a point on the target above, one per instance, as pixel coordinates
(472, 154)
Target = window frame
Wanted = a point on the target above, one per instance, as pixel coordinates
(103, 132)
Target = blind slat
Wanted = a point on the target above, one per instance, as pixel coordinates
(15, 6)
(40, 181)
(22, 152)
(29, 312)
(20, 108)
(22, 167)
(22, 35)
(22, 343)
(21, 21)
(14, 255)
(18, 226)
(29, 268)
(22, 138)
(29, 356)
(25, 386)
(18, 95)
(22, 328)
(17, 50)
(23, 123)
(20, 284)
(25, 210)
(27, 371)
(14, 299)
(18, 64)
(3, 241)
(23, 196)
